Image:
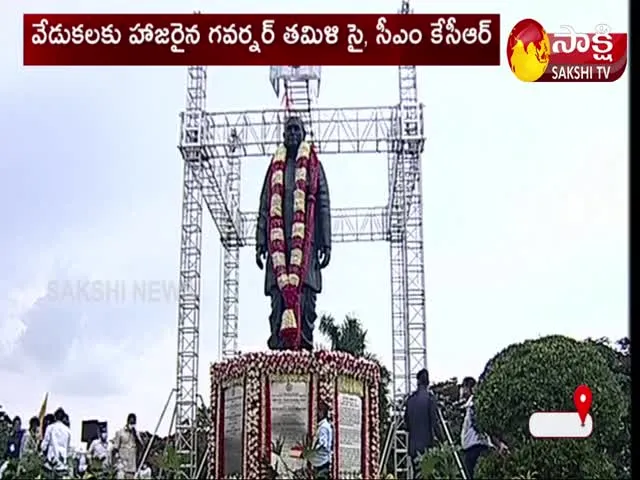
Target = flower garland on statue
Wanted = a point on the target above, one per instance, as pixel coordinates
(290, 278)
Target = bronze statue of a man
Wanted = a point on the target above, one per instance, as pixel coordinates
(294, 236)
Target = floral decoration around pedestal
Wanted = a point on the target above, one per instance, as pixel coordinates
(259, 398)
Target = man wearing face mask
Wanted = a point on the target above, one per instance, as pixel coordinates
(125, 445)
(99, 448)
(295, 181)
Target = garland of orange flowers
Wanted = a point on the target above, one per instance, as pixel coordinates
(290, 278)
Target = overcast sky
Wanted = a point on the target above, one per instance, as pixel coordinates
(525, 193)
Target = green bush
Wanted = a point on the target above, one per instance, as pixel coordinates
(547, 459)
(541, 375)
(440, 464)
(618, 357)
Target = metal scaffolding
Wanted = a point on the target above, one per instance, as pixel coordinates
(212, 146)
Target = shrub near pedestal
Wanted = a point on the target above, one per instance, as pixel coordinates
(542, 375)
(259, 399)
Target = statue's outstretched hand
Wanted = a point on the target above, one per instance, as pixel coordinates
(324, 257)
(261, 256)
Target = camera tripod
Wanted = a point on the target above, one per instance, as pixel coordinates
(397, 427)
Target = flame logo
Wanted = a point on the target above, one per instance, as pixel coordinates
(528, 50)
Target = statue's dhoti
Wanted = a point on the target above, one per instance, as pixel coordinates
(307, 313)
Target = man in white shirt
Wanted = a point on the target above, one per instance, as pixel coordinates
(474, 443)
(56, 446)
(99, 448)
(323, 444)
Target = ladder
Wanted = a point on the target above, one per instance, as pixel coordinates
(295, 85)
(398, 429)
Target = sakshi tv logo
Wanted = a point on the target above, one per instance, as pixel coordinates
(566, 56)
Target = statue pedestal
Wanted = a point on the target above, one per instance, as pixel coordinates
(260, 400)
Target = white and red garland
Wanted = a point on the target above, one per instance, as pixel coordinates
(324, 367)
(290, 278)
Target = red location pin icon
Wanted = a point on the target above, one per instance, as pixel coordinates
(582, 400)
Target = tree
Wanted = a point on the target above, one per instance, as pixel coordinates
(541, 375)
(618, 357)
(350, 337)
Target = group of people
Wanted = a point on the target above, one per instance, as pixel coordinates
(424, 427)
(52, 440)
(421, 421)
(54, 445)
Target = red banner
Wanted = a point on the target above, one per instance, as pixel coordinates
(198, 39)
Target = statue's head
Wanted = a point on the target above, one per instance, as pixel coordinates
(294, 133)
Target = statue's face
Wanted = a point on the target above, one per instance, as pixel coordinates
(293, 134)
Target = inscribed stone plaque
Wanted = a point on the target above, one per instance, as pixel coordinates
(289, 416)
(233, 398)
(350, 432)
